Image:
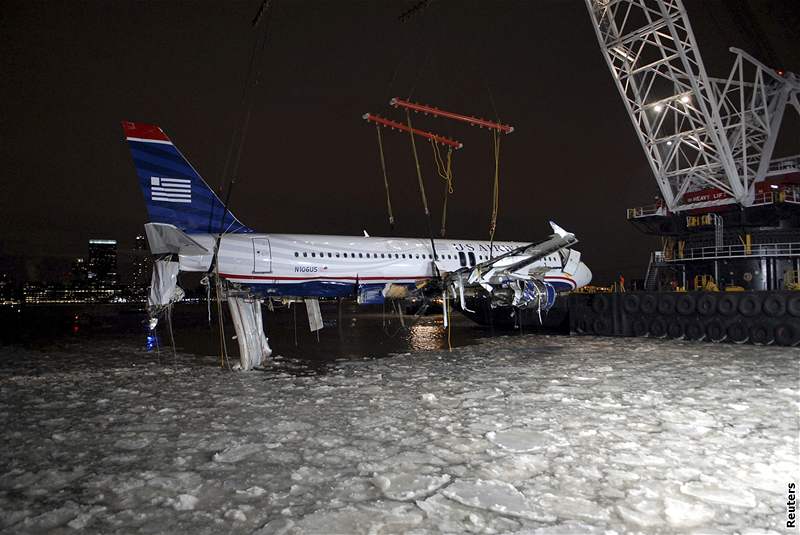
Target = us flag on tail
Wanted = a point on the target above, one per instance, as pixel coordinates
(170, 189)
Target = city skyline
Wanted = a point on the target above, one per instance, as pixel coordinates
(95, 265)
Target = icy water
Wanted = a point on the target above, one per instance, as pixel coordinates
(521, 434)
(356, 333)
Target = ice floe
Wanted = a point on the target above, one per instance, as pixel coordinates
(523, 435)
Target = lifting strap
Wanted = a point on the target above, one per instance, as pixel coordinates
(385, 178)
(445, 171)
(422, 190)
(419, 172)
(496, 194)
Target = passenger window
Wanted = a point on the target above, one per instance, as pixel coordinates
(305, 255)
(462, 259)
(337, 255)
(471, 259)
(382, 255)
(329, 255)
(296, 254)
(345, 255)
(397, 255)
(404, 255)
(361, 255)
(313, 255)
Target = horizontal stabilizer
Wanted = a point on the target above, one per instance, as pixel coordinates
(169, 239)
(560, 232)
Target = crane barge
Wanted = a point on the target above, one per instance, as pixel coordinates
(728, 210)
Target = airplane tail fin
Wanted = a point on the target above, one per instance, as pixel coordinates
(174, 192)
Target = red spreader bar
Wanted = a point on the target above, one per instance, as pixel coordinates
(422, 133)
(474, 121)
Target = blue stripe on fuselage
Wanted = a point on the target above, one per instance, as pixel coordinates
(341, 289)
(561, 286)
(304, 289)
(322, 289)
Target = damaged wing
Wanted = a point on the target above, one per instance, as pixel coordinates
(532, 252)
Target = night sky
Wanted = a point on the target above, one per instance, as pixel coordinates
(72, 71)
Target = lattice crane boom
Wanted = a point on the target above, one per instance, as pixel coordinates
(697, 132)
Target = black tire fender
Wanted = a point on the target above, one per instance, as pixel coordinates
(675, 329)
(600, 326)
(630, 304)
(685, 304)
(749, 305)
(581, 326)
(738, 333)
(658, 328)
(694, 331)
(640, 327)
(666, 304)
(775, 305)
(600, 303)
(793, 305)
(761, 334)
(707, 304)
(649, 303)
(715, 331)
(787, 335)
(727, 305)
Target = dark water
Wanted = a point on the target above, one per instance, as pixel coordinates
(359, 332)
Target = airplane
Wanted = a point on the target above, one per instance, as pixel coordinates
(190, 222)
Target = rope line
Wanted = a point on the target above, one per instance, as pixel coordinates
(443, 230)
(422, 192)
(496, 193)
(416, 162)
(385, 177)
(449, 321)
(444, 168)
(445, 171)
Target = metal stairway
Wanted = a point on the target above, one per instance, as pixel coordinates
(651, 277)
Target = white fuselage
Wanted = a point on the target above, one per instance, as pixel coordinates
(302, 265)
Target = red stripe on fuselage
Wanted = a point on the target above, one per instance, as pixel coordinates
(279, 278)
(262, 277)
(571, 281)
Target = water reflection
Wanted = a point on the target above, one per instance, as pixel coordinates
(350, 333)
(427, 336)
(151, 341)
